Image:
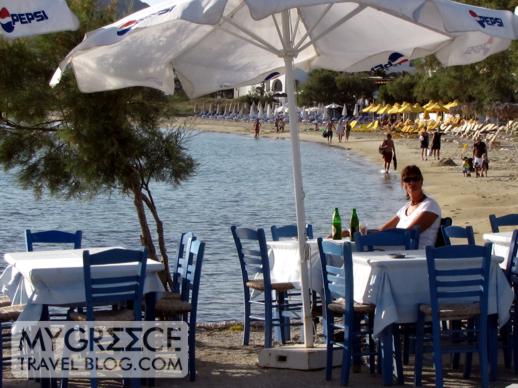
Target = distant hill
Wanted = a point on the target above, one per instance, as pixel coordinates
(125, 7)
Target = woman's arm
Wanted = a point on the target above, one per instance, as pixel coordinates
(424, 220)
(391, 224)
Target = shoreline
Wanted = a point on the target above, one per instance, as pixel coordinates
(467, 200)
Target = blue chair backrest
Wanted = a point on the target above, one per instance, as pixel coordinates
(459, 274)
(386, 239)
(190, 290)
(253, 255)
(124, 283)
(182, 261)
(337, 273)
(52, 237)
(439, 240)
(450, 232)
(511, 270)
(507, 220)
(289, 231)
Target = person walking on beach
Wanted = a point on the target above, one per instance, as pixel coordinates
(347, 131)
(257, 128)
(329, 131)
(436, 144)
(479, 149)
(340, 130)
(277, 124)
(387, 150)
(424, 140)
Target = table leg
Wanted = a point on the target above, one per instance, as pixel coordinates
(386, 352)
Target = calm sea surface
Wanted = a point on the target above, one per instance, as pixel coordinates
(240, 181)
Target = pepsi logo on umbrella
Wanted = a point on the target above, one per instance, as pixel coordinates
(9, 20)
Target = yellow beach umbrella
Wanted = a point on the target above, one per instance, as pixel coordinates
(429, 103)
(436, 108)
(394, 109)
(417, 108)
(406, 107)
(384, 109)
(370, 108)
(452, 104)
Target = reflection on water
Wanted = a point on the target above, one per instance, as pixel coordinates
(240, 181)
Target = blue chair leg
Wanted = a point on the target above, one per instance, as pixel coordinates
(515, 337)
(346, 355)
(329, 347)
(418, 361)
(246, 328)
(1, 355)
(482, 346)
(192, 351)
(469, 355)
(372, 346)
(492, 345)
(437, 353)
(268, 325)
(356, 343)
(505, 334)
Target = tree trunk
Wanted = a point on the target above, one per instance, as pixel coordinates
(147, 241)
(148, 200)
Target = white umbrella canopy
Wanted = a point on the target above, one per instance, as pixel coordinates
(344, 111)
(260, 110)
(20, 18)
(268, 111)
(218, 44)
(252, 110)
(333, 106)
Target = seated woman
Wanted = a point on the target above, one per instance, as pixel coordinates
(421, 210)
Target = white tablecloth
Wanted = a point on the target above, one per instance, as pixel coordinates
(501, 243)
(395, 286)
(56, 278)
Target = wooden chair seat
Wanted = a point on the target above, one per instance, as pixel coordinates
(4, 301)
(453, 311)
(259, 285)
(338, 307)
(11, 313)
(108, 315)
(172, 306)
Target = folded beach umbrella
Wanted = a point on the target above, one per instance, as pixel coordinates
(20, 18)
(218, 44)
(344, 111)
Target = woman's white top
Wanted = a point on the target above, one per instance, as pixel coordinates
(428, 236)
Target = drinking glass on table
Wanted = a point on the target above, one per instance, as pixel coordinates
(363, 229)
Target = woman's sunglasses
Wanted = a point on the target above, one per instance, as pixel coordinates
(409, 179)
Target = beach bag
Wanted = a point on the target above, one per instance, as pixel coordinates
(381, 149)
(325, 134)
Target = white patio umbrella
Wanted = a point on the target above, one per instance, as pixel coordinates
(268, 111)
(252, 110)
(344, 111)
(260, 110)
(210, 109)
(333, 106)
(356, 110)
(218, 108)
(20, 18)
(217, 44)
(325, 114)
(304, 114)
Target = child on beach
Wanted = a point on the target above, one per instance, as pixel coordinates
(466, 168)
(485, 166)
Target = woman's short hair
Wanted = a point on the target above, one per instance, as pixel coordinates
(411, 170)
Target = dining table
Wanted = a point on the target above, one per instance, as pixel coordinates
(501, 242)
(40, 279)
(396, 282)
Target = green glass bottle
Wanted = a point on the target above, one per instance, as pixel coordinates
(355, 224)
(336, 225)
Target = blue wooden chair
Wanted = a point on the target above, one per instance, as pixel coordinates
(439, 241)
(255, 270)
(182, 261)
(450, 232)
(511, 272)
(289, 231)
(388, 239)
(506, 220)
(458, 291)
(125, 285)
(8, 314)
(187, 306)
(52, 237)
(357, 319)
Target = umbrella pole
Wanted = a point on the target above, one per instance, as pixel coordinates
(297, 181)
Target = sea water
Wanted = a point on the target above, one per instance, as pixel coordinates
(241, 181)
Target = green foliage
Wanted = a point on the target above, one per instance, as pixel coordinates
(75, 145)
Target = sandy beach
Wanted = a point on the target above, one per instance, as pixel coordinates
(467, 200)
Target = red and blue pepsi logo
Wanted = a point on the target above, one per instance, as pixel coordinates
(486, 20)
(394, 59)
(9, 20)
(129, 25)
(126, 27)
